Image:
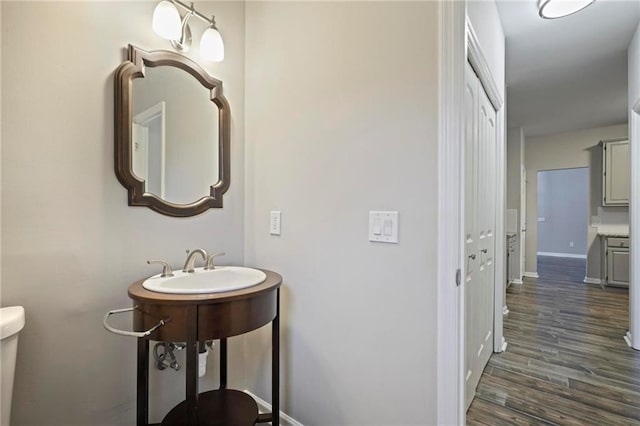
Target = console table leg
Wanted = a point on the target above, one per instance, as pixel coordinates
(142, 413)
(223, 363)
(192, 366)
(275, 364)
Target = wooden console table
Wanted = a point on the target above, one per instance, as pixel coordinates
(195, 318)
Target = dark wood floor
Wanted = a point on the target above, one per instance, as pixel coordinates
(566, 362)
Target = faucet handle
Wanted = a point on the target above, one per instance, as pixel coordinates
(210, 264)
(166, 269)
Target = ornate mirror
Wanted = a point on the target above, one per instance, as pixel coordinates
(171, 133)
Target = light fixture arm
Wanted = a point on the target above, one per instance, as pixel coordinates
(183, 31)
(191, 11)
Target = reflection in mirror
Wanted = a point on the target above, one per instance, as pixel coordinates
(172, 133)
(148, 136)
(175, 135)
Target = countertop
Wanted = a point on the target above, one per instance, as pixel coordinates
(613, 230)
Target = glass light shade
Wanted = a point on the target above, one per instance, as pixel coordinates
(166, 21)
(552, 9)
(211, 45)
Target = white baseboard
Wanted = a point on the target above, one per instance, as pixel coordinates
(504, 344)
(265, 407)
(531, 275)
(571, 255)
(517, 281)
(588, 280)
(627, 338)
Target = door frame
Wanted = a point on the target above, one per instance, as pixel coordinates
(459, 44)
(143, 118)
(633, 335)
(523, 220)
(478, 62)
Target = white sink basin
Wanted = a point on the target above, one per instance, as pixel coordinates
(223, 278)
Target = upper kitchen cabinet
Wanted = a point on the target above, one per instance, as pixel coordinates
(615, 176)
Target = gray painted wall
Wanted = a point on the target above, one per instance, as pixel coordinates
(352, 128)
(70, 244)
(515, 145)
(570, 150)
(563, 204)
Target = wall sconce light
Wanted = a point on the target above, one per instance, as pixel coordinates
(168, 24)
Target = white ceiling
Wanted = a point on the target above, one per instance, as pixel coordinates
(568, 73)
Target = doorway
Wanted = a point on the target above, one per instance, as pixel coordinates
(453, 49)
(562, 219)
(149, 146)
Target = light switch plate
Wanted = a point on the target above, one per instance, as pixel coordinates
(275, 223)
(383, 227)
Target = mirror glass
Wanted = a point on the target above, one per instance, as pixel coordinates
(175, 135)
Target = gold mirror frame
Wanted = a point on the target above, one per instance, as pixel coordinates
(124, 76)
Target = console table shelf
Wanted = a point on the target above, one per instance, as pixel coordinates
(217, 408)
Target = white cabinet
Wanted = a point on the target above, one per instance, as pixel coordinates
(615, 176)
(617, 261)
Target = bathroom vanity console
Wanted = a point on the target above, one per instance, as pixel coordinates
(194, 319)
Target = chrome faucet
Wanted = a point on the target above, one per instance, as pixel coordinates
(191, 259)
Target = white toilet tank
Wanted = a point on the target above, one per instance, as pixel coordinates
(11, 322)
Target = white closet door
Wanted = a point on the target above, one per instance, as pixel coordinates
(487, 193)
(471, 282)
(480, 214)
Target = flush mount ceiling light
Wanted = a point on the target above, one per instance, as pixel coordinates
(552, 9)
(168, 24)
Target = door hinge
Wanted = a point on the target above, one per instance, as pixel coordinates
(458, 277)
